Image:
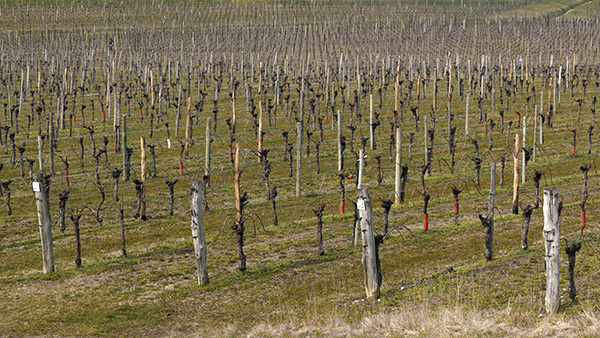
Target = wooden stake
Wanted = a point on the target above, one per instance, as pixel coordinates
(43, 211)
(124, 147)
(525, 147)
(398, 165)
(207, 152)
(41, 151)
(339, 140)
(260, 113)
(371, 127)
(361, 156)
(552, 241)
(143, 177)
(198, 231)
(515, 199)
(238, 226)
(370, 258)
(298, 158)
(186, 149)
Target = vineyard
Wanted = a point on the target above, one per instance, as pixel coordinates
(267, 126)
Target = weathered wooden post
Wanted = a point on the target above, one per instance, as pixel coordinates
(339, 141)
(43, 210)
(398, 164)
(41, 151)
(124, 146)
(524, 146)
(143, 178)
(361, 157)
(515, 200)
(370, 258)
(207, 151)
(240, 202)
(371, 126)
(299, 130)
(198, 231)
(552, 240)
(488, 222)
(188, 124)
(260, 113)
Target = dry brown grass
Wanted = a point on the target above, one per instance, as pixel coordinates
(420, 322)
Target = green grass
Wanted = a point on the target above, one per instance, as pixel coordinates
(434, 283)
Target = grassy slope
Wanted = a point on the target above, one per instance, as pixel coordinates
(288, 287)
(555, 8)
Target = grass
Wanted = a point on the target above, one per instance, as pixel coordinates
(435, 283)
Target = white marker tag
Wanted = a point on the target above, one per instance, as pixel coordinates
(35, 186)
(169, 143)
(360, 204)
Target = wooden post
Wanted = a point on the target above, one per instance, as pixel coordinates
(488, 222)
(298, 157)
(207, 152)
(151, 89)
(356, 231)
(41, 151)
(541, 127)
(425, 139)
(43, 211)
(552, 241)
(534, 133)
(238, 226)
(124, 146)
(178, 113)
(51, 141)
(370, 258)
(186, 150)
(198, 231)
(398, 165)
(515, 200)
(467, 112)
(143, 177)
(371, 128)
(524, 147)
(361, 156)
(260, 114)
(396, 83)
(339, 140)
